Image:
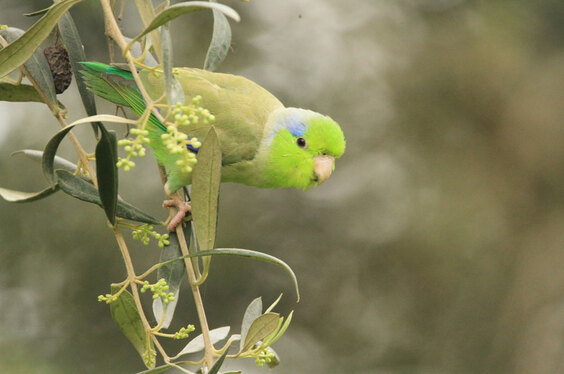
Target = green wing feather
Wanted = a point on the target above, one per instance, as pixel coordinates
(117, 86)
(240, 106)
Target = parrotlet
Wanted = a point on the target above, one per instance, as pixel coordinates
(263, 143)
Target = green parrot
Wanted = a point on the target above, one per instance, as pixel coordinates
(263, 143)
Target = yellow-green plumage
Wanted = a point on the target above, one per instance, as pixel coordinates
(258, 135)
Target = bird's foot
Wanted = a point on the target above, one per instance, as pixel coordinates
(183, 208)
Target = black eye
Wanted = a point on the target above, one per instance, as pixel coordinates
(301, 142)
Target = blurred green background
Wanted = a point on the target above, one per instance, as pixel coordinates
(436, 247)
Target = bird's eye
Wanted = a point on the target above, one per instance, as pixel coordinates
(301, 142)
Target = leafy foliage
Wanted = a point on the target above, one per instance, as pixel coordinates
(99, 184)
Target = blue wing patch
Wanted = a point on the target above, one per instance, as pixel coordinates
(192, 149)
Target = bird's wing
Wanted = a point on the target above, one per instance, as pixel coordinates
(240, 106)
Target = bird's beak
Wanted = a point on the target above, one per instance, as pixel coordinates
(322, 167)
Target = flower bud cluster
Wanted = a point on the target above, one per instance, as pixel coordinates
(145, 232)
(159, 289)
(149, 357)
(184, 331)
(108, 298)
(266, 356)
(177, 141)
(134, 147)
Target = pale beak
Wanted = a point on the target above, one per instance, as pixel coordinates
(322, 167)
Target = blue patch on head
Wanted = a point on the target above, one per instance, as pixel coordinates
(294, 120)
(296, 128)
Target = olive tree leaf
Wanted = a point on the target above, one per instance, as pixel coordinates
(125, 314)
(147, 13)
(106, 169)
(26, 197)
(261, 327)
(197, 344)
(271, 307)
(179, 9)
(53, 143)
(282, 329)
(174, 91)
(220, 43)
(240, 252)
(35, 65)
(206, 178)
(18, 52)
(73, 43)
(85, 191)
(253, 311)
(19, 93)
(58, 162)
(39, 12)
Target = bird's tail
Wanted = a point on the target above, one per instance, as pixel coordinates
(117, 86)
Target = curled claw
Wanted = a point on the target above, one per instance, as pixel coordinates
(182, 206)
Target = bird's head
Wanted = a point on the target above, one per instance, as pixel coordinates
(303, 146)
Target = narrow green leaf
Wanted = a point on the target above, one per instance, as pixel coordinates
(19, 93)
(173, 273)
(263, 326)
(271, 307)
(220, 43)
(18, 52)
(26, 197)
(206, 177)
(48, 163)
(179, 9)
(106, 169)
(282, 329)
(197, 344)
(39, 12)
(254, 311)
(73, 43)
(174, 91)
(248, 254)
(147, 13)
(53, 144)
(36, 66)
(125, 314)
(85, 191)
(59, 162)
(215, 368)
